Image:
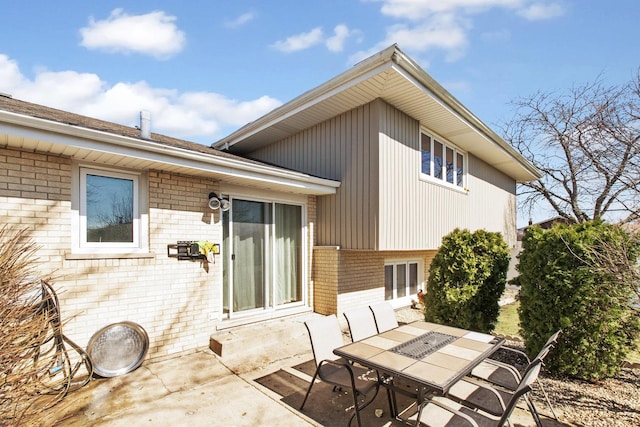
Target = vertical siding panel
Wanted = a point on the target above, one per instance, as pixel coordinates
(382, 204)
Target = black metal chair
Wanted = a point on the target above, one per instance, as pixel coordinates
(384, 316)
(326, 335)
(508, 376)
(496, 408)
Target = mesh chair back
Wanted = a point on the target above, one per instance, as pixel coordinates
(530, 376)
(361, 323)
(384, 316)
(325, 335)
(553, 339)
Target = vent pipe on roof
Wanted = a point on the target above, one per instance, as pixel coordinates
(145, 124)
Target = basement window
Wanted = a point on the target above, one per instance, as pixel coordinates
(400, 279)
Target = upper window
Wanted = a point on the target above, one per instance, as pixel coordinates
(109, 211)
(442, 161)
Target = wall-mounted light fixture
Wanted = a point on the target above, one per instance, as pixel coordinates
(218, 202)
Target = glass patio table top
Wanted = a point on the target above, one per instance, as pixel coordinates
(434, 356)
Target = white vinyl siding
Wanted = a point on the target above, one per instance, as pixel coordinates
(344, 148)
(384, 201)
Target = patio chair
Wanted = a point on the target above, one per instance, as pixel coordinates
(361, 323)
(442, 411)
(384, 316)
(325, 335)
(508, 376)
(493, 400)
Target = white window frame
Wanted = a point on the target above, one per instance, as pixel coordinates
(462, 186)
(80, 245)
(406, 299)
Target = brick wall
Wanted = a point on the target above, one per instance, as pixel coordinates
(350, 278)
(177, 302)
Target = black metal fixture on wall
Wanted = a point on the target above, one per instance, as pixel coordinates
(218, 202)
(190, 249)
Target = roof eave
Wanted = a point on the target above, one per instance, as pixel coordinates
(66, 134)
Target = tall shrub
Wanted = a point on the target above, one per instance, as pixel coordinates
(466, 279)
(561, 289)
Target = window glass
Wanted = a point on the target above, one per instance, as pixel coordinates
(449, 165)
(437, 159)
(109, 209)
(413, 278)
(109, 212)
(441, 161)
(460, 170)
(426, 154)
(401, 281)
(388, 282)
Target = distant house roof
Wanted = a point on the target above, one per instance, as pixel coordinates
(394, 77)
(544, 224)
(34, 127)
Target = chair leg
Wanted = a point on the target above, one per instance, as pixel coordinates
(534, 412)
(313, 380)
(546, 397)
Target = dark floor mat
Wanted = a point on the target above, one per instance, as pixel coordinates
(326, 405)
(283, 383)
(308, 367)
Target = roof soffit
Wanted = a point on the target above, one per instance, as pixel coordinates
(399, 81)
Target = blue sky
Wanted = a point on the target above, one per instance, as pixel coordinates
(203, 69)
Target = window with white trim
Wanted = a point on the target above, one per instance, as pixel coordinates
(400, 279)
(442, 161)
(109, 212)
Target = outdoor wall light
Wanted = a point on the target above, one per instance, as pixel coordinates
(217, 202)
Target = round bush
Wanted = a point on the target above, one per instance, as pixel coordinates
(466, 279)
(562, 287)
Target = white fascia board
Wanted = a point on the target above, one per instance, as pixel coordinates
(84, 138)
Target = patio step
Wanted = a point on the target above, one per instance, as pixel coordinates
(248, 347)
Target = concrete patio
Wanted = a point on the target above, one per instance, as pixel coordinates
(264, 386)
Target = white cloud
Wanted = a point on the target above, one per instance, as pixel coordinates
(153, 34)
(336, 42)
(418, 9)
(443, 31)
(10, 75)
(444, 25)
(241, 20)
(300, 41)
(540, 11)
(190, 115)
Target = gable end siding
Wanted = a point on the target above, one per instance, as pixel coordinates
(343, 149)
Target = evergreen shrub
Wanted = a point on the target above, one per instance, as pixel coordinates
(562, 288)
(466, 279)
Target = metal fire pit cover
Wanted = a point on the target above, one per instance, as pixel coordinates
(118, 348)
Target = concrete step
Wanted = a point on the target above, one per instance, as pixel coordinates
(249, 347)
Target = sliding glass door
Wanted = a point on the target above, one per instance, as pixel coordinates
(263, 259)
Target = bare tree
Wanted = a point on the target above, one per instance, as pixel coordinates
(586, 142)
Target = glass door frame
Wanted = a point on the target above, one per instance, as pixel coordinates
(270, 288)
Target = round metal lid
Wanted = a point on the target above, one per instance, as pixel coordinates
(118, 348)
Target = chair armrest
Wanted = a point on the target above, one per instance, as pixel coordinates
(512, 369)
(489, 389)
(438, 402)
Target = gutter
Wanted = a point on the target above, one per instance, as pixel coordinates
(46, 130)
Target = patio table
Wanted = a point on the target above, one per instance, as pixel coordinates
(429, 355)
